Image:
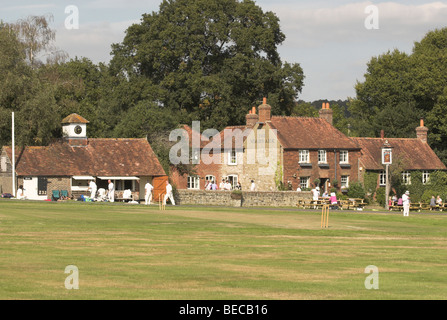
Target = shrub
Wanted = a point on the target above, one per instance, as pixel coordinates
(356, 191)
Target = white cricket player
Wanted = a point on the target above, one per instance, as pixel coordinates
(111, 191)
(169, 194)
(148, 195)
(92, 187)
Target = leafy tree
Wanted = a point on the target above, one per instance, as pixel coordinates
(213, 60)
(384, 99)
(37, 36)
(399, 89)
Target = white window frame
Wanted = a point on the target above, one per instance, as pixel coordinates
(303, 156)
(344, 181)
(344, 156)
(382, 178)
(210, 177)
(425, 177)
(304, 182)
(322, 156)
(406, 177)
(193, 183)
(232, 157)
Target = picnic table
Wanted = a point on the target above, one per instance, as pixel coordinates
(416, 206)
(352, 203)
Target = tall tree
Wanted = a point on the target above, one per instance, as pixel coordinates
(36, 35)
(213, 59)
(23, 91)
(385, 100)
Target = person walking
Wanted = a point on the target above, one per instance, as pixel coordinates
(169, 194)
(148, 193)
(406, 203)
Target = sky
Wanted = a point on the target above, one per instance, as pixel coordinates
(331, 40)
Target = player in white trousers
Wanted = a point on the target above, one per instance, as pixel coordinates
(148, 196)
(406, 203)
(169, 194)
(111, 191)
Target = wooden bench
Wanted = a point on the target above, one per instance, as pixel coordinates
(311, 204)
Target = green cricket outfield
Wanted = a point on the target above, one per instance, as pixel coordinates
(123, 251)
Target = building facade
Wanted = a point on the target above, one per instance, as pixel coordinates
(69, 165)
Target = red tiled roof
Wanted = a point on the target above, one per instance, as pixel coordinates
(309, 133)
(101, 157)
(414, 154)
(74, 118)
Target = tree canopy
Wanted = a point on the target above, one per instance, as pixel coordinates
(211, 59)
(400, 89)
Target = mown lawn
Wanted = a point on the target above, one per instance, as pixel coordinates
(139, 252)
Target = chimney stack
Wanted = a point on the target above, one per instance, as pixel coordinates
(251, 118)
(422, 132)
(326, 112)
(264, 111)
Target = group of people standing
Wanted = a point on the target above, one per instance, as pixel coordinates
(93, 188)
(226, 185)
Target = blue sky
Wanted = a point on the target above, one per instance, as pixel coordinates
(327, 38)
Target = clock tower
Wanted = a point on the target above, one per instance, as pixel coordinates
(74, 129)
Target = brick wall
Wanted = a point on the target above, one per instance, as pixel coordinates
(249, 199)
(333, 170)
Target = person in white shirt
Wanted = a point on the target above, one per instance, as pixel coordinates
(148, 196)
(227, 185)
(21, 193)
(222, 185)
(406, 203)
(315, 195)
(298, 189)
(92, 187)
(111, 191)
(169, 194)
(253, 186)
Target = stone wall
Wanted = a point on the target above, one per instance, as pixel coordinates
(249, 199)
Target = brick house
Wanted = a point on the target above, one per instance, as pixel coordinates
(199, 173)
(309, 151)
(295, 151)
(410, 154)
(70, 163)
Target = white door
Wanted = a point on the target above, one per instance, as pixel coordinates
(31, 192)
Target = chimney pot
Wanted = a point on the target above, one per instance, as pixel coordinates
(382, 134)
(422, 132)
(253, 110)
(264, 101)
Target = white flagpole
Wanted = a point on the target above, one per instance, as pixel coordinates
(13, 160)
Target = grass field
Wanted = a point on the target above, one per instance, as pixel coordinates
(139, 252)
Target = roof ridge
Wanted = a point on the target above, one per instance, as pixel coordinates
(297, 117)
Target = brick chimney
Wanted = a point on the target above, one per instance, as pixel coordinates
(326, 112)
(251, 118)
(264, 111)
(421, 131)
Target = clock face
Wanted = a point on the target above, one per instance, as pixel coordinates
(78, 129)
